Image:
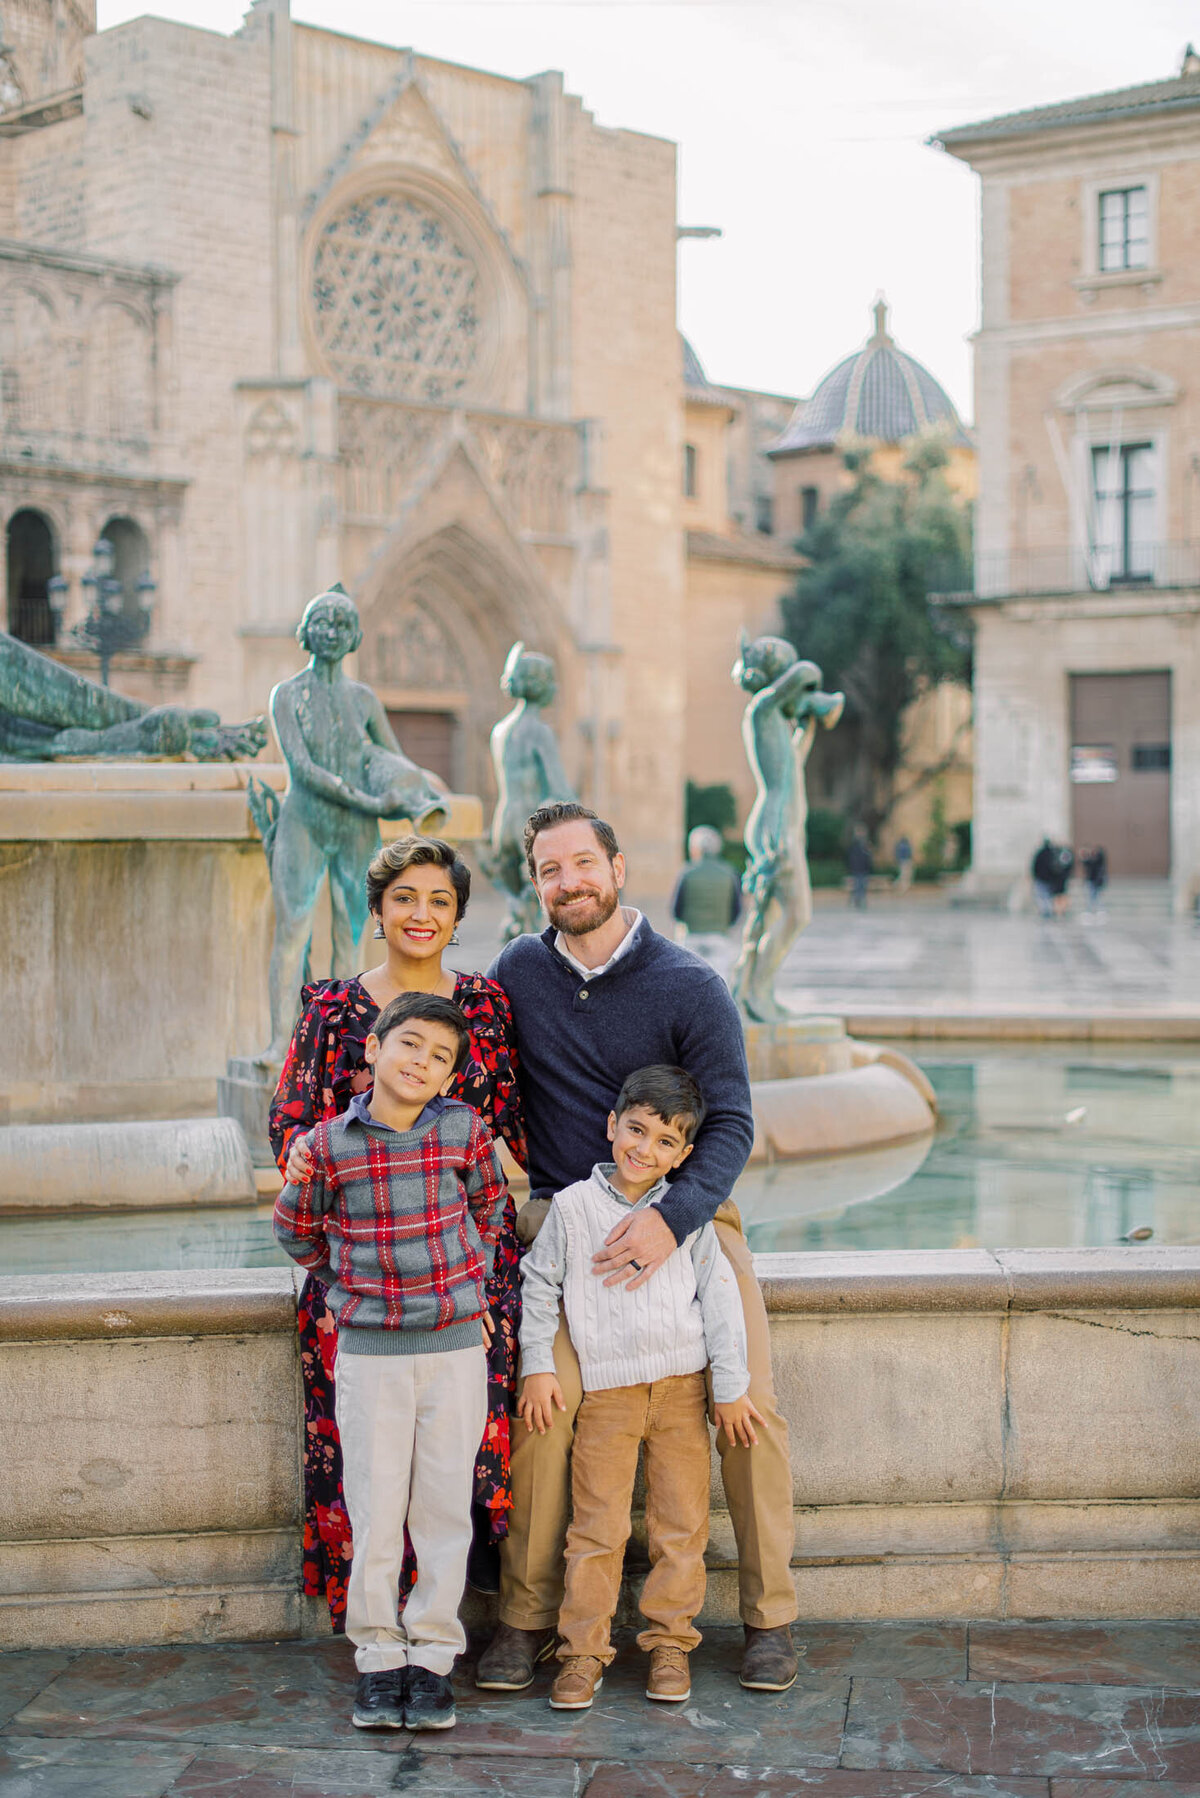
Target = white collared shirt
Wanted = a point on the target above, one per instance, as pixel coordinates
(631, 917)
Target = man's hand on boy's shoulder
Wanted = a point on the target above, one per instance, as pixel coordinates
(635, 1248)
(539, 1395)
(738, 1420)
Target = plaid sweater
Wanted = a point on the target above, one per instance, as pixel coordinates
(403, 1225)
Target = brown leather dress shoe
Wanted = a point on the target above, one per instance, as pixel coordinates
(769, 1661)
(670, 1681)
(508, 1661)
(580, 1677)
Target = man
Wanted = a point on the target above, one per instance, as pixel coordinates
(596, 995)
(707, 900)
(859, 866)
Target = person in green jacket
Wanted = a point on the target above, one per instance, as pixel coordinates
(707, 900)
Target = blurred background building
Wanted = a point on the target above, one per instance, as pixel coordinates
(1087, 565)
(287, 307)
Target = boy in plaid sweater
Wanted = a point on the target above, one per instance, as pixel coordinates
(400, 1215)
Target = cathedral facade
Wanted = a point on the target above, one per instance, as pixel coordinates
(285, 307)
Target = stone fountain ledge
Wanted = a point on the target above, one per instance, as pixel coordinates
(973, 1434)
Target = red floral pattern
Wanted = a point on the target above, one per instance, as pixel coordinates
(325, 1067)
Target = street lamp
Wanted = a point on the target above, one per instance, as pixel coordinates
(111, 626)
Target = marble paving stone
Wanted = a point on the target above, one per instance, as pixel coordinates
(35, 1768)
(720, 1722)
(1091, 1654)
(667, 1780)
(422, 1775)
(1120, 1788)
(889, 1650)
(23, 1675)
(1027, 1730)
(369, 1773)
(296, 1694)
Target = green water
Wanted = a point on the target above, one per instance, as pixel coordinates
(1039, 1146)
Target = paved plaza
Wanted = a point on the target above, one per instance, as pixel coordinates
(921, 958)
(889, 1710)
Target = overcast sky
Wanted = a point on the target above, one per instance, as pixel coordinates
(801, 128)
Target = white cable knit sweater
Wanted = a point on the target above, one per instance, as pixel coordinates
(686, 1315)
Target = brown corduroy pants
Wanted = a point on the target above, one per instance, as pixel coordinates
(758, 1481)
(670, 1417)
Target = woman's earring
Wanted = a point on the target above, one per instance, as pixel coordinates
(379, 931)
(454, 938)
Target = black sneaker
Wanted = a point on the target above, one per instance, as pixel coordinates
(379, 1699)
(430, 1701)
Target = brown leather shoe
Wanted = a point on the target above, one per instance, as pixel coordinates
(579, 1679)
(508, 1661)
(769, 1661)
(670, 1682)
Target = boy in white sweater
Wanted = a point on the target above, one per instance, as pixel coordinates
(642, 1355)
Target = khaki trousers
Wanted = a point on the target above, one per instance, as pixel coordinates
(670, 1417)
(758, 1481)
(410, 1427)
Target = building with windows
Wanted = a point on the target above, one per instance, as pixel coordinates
(286, 307)
(1087, 585)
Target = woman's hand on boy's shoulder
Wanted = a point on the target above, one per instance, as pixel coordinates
(738, 1420)
(299, 1161)
(539, 1395)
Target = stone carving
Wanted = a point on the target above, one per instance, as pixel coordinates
(778, 726)
(534, 466)
(385, 446)
(271, 431)
(381, 449)
(396, 300)
(48, 714)
(411, 650)
(529, 773)
(346, 772)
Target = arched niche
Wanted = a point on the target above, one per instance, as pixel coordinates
(32, 562)
(131, 559)
(120, 396)
(29, 360)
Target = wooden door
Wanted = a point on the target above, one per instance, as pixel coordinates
(1121, 770)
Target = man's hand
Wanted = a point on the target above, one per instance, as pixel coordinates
(299, 1161)
(635, 1248)
(539, 1395)
(738, 1420)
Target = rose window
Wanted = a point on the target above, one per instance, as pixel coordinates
(396, 301)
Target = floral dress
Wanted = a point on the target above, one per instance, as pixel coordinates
(326, 1066)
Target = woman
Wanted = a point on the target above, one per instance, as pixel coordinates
(417, 890)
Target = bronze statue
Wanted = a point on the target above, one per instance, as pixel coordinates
(346, 772)
(778, 726)
(49, 713)
(529, 773)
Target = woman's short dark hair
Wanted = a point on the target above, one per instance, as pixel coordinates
(670, 1093)
(567, 811)
(417, 852)
(426, 1008)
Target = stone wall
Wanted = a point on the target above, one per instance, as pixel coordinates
(972, 1435)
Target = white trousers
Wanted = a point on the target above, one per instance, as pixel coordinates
(410, 1427)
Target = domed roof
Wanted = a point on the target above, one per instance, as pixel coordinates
(878, 392)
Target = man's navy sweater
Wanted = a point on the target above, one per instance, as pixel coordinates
(579, 1039)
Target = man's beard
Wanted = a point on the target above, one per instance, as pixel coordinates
(581, 920)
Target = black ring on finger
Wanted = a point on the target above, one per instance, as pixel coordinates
(635, 1264)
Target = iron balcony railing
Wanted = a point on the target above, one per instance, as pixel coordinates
(1074, 569)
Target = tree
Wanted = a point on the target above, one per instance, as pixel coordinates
(861, 608)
